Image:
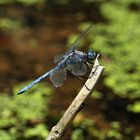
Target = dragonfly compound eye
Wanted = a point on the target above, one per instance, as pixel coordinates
(91, 55)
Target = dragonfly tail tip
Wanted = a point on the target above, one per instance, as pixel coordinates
(20, 92)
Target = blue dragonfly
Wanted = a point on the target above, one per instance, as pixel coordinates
(73, 60)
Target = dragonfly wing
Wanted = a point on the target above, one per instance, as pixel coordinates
(57, 78)
(74, 45)
(82, 35)
(78, 69)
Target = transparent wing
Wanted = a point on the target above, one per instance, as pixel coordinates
(78, 69)
(57, 78)
(58, 58)
(82, 35)
(73, 46)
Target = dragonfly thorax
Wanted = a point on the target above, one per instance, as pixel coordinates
(78, 57)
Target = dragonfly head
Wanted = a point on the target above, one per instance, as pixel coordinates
(90, 55)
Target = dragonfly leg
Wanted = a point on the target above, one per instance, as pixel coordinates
(84, 77)
(88, 66)
(81, 76)
(83, 82)
(78, 77)
(90, 62)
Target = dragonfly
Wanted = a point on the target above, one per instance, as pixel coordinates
(74, 61)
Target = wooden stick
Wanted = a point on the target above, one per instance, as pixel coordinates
(77, 103)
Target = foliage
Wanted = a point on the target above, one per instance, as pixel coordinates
(23, 116)
(30, 2)
(53, 2)
(96, 94)
(88, 130)
(26, 2)
(118, 42)
(134, 107)
(8, 24)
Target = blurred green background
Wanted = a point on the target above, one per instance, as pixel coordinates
(32, 32)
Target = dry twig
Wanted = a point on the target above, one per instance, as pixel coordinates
(77, 103)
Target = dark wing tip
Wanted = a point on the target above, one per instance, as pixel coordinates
(20, 92)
